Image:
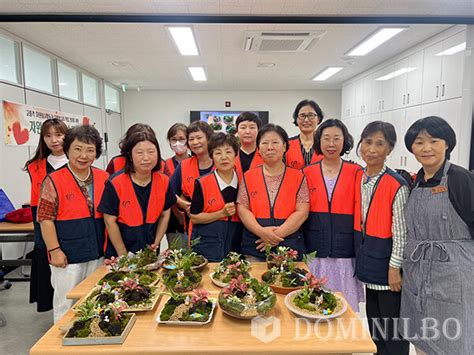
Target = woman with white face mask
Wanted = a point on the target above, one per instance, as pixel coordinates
(175, 234)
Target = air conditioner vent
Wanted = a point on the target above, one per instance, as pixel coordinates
(281, 41)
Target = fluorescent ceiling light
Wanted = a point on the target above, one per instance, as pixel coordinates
(326, 73)
(184, 39)
(453, 50)
(382, 35)
(395, 74)
(197, 73)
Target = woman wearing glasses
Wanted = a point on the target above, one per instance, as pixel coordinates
(307, 116)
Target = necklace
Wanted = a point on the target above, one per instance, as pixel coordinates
(141, 183)
(331, 171)
(77, 177)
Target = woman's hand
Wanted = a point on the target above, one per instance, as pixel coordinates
(394, 279)
(268, 236)
(58, 258)
(229, 209)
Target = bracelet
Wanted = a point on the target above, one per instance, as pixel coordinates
(50, 250)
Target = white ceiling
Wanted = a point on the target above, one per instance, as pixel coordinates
(247, 7)
(154, 62)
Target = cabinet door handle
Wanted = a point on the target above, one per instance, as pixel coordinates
(401, 161)
(408, 98)
(437, 90)
(405, 161)
(442, 90)
(403, 99)
(383, 104)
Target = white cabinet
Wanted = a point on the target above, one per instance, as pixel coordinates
(382, 99)
(401, 158)
(414, 79)
(348, 101)
(407, 86)
(443, 67)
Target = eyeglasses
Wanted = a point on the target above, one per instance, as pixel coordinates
(310, 116)
(181, 140)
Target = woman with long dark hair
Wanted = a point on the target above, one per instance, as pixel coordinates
(48, 157)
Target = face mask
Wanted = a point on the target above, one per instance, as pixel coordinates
(179, 148)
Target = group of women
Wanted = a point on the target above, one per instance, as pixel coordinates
(263, 189)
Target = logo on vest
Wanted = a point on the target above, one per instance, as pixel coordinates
(125, 203)
(253, 194)
(293, 164)
(439, 189)
(211, 201)
(189, 179)
(69, 196)
(312, 190)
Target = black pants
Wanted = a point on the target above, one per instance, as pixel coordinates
(382, 308)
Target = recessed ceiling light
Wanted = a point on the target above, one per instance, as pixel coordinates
(326, 73)
(266, 65)
(184, 39)
(380, 36)
(119, 64)
(395, 74)
(197, 73)
(453, 50)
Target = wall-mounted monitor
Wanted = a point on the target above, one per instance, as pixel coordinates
(224, 121)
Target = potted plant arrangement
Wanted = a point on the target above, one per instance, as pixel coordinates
(100, 325)
(172, 257)
(246, 298)
(135, 296)
(146, 259)
(284, 276)
(145, 278)
(280, 256)
(195, 309)
(231, 267)
(181, 278)
(315, 302)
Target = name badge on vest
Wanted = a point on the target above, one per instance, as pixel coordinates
(439, 189)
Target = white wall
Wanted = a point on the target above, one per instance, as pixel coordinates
(161, 109)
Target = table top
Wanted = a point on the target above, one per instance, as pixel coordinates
(8, 227)
(224, 334)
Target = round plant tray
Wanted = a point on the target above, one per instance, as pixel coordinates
(305, 314)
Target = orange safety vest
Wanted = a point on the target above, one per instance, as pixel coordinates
(220, 237)
(138, 230)
(37, 171)
(169, 163)
(373, 237)
(329, 229)
(267, 215)
(256, 161)
(294, 156)
(80, 233)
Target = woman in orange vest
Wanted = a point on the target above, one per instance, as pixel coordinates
(248, 157)
(117, 163)
(72, 227)
(273, 199)
(380, 234)
(136, 201)
(48, 157)
(213, 211)
(307, 116)
(175, 233)
(198, 135)
(329, 229)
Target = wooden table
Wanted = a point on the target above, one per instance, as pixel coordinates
(16, 233)
(223, 335)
